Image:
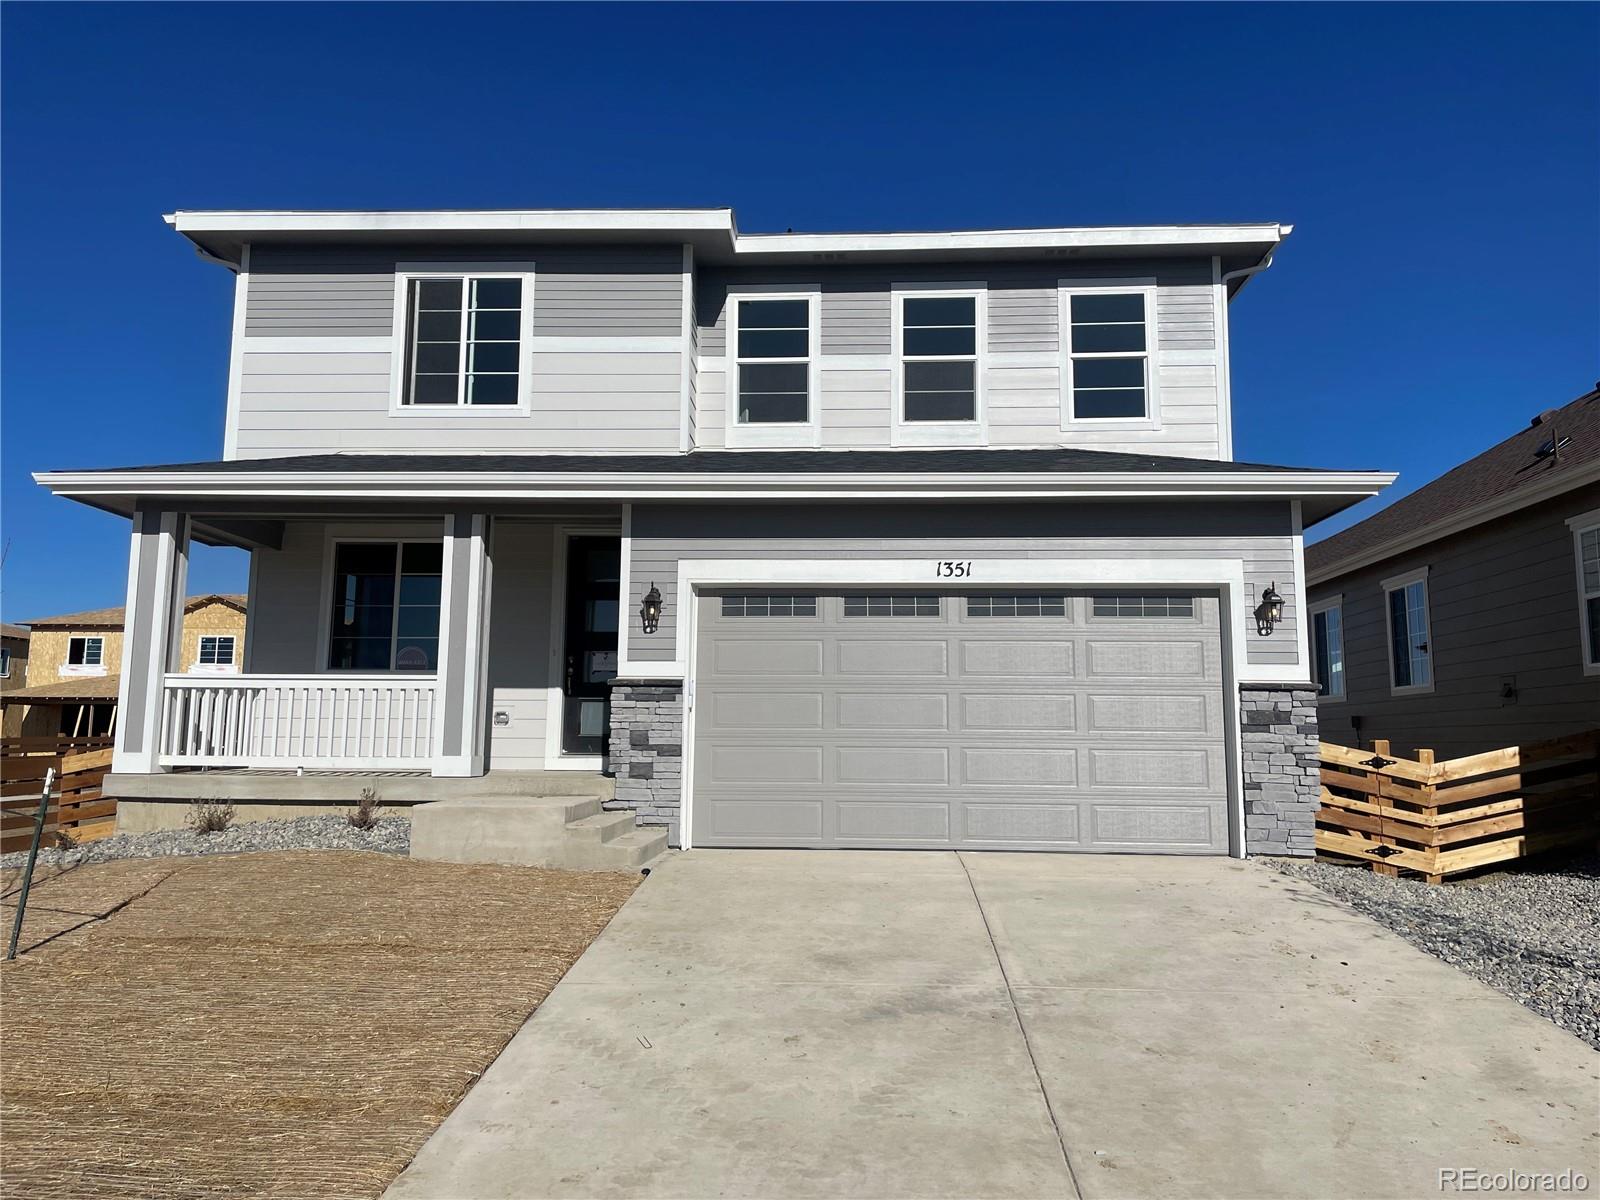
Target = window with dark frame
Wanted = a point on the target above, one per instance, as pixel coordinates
(386, 606)
(5, 662)
(1016, 606)
(939, 358)
(85, 651)
(1588, 541)
(464, 345)
(215, 650)
(1410, 656)
(774, 362)
(769, 606)
(891, 606)
(1140, 606)
(1327, 651)
(1109, 355)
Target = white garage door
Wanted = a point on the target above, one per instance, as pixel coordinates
(1024, 720)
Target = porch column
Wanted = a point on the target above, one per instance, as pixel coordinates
(158, 569)
(463, 665)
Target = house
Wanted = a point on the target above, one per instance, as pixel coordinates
(73, 681)
(13, 673)
(1466, 616)
(816, 539)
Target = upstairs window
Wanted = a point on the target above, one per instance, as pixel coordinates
(85, 651)
(216, 651)
(5, 662)
(1410, 654)
(464, 340)
(1587, 542)
(774, 361)
(385, 606)
(939, 358)
(1327, 650)
(1107, 332)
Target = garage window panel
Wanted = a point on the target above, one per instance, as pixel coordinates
(769, 606)
(891, 606)
(1143, 606)
(1016, 606)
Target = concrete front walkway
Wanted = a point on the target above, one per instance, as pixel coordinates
(864, 1024)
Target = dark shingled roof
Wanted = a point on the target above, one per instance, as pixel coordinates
(736, 462)
(1497, 472)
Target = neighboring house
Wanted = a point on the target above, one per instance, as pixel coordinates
(1466, 616)
(13, 674)
(876, 540)
(73, 673)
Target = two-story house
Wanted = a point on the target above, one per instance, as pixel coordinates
(860, 540)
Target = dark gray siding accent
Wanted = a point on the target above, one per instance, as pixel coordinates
(580, 291)
(1259, 533)
(1502, 605)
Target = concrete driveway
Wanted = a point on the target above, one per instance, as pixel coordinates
(774, 1024)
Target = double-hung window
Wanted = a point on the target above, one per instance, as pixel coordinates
(86, 654)
(465, 340)
(939, 357)
(1586, 546)
(772, 356)
(385, 606)
(1106, 334)
(215, 651)
(1327, 648)
(1410, 650)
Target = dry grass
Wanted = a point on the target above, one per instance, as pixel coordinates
(291, 1024)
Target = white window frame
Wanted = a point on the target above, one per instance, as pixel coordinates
(325, 622)
(98, 668)
(1394, 584)
(785, 434)
(405, 274)
(1068, 288)
(5, 662)
(940, 433)
(1588, 522)
(231, 667)
(1332, 604)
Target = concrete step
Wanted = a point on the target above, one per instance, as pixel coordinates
(536, 783)
(537, 831)
(602, 827)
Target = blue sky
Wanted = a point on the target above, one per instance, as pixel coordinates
(1441, 164)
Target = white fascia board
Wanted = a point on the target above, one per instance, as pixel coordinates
(1490, 510)
(646, 487)
(1065, 238)
(574, 220)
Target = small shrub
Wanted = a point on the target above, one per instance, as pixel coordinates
(210, 816)
(365, 813)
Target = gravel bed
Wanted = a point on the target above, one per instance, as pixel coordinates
(1531, 932)
(391, 835)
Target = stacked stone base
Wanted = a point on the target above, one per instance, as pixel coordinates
(647, 752)
(1282, 787)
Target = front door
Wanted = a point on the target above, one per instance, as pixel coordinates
(590, 658)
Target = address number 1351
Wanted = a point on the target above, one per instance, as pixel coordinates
(951, 569)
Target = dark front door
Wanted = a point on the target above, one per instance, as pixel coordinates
(590, 662)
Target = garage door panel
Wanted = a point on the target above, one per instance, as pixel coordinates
(1023, 823)
(799, 821)
(763, 764)
(1201, 826)
(733, 710)
(881, 657)
(1152, 713)
(1018, 659)
(767, 657)
(1147, 659)
(1147, 767)
(893, 765)
(876, 821)
(927, 711)
(1019, 711)
(1020, 765)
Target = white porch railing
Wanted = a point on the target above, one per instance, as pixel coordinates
(312, 721)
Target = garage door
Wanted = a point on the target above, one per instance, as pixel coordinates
(1023, 720)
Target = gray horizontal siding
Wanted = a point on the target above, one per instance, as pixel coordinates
(1502, 604)
(587, 291)
(1257, 533)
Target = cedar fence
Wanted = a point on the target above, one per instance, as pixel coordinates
(1441, 818)
(77, 808)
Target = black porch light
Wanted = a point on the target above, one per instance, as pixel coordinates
(650, 610)
(1270, 611)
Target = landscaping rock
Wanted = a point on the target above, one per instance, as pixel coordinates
(391, 835)
(1532, 932)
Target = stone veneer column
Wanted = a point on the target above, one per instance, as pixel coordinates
(1282, 789)
(647, 751)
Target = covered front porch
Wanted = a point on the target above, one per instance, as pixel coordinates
(383, 639)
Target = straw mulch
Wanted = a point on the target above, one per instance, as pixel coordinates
(290, 1024)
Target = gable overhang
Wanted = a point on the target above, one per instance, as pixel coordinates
(1583, 475)
(714, 234)
(1319, 493)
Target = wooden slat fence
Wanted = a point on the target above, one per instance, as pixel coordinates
(1442, 818)
(77, 808)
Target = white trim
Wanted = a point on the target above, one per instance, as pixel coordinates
(68, 667)
(236, 351)
(1333, 603)
(1417, 575)
(787, 435)
(686, 365)
(1224, 575)
(405, 274)
(1146, 287)
(1562, 481)
(1588, 522)
(936, 433)
(1219, 299)
(1302, 594)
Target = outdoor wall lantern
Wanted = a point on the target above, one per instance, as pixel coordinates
(650, 610)
(1270, 611)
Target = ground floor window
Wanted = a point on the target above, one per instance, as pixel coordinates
(1327, 649)
(386, 606)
